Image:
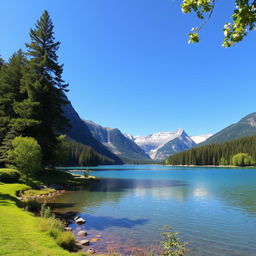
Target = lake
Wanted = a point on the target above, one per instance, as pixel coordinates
(213, 209)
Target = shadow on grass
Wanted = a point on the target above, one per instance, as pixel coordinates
(6, 200)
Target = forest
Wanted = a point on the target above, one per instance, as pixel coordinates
(239, 152)
(32, 98)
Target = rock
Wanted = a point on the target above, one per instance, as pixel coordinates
(90, 251)
(68, 229)
(78, 245)
(80, 221)
(84, 242)
(82, 233)
(94, 239)
(76, 218)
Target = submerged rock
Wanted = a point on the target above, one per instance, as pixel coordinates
(95, 240)
(82, 233)
(68, 229)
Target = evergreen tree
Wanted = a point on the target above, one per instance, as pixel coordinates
(11, 123)
(45, 89)
(1, 63)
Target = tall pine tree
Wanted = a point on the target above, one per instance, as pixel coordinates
(44, 86)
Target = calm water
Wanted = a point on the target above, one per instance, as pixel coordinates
(214, 209)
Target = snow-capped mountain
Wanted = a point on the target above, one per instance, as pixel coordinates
(160, 145)
(200, 138)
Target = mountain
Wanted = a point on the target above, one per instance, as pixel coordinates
(161, 145)
(245, 127)
(81, 133)
(200, 138)
(117, 143)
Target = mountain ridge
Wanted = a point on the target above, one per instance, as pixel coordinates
(80, 132)
(246, 126)
(117, 142)
(160, 145)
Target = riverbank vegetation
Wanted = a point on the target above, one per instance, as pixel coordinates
(20, 232)
(239, 152)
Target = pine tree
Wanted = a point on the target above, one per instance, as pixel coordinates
(11, 123)
(1, 62)
(45, 88)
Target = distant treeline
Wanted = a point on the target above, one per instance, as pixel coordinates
(81, 155)
(237, 152)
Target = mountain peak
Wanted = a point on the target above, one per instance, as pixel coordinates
(152, 144)
(201, 138)
(249, 119)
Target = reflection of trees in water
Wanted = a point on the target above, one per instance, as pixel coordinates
(242, 197)
(233, 189)
(112, 190)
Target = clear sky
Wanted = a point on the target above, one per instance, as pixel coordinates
(129, 65)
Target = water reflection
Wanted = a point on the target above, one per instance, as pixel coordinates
(103, 222)
(213, 209)
(112, 190)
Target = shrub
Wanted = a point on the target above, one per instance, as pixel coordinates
(26, 156)
(242, 159)
(66, 240)
(45, 211)
(9, 175)
(171, 244)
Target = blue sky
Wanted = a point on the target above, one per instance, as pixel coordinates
(129, 65)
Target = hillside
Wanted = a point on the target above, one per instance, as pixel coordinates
(117, 143)
(81, 133)
(245, 127)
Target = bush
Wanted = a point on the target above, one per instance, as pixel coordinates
(45, 211)
(242, 159)
(66, 240)
(9, 175)
(171, 244)
(26, 156)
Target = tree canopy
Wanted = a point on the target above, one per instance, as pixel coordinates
(243, 19)
(239, 152)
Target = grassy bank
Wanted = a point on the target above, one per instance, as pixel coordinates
(19, 233)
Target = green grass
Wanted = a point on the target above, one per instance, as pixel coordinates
(19, 232)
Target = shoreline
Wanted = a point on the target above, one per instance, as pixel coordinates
(212, 166)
